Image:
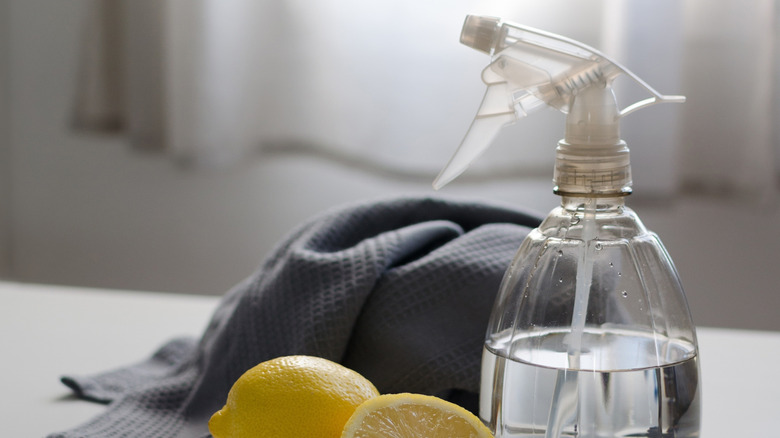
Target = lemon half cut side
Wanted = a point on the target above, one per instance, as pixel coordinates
(413, 416)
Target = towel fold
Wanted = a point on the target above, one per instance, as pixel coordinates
(399, 290)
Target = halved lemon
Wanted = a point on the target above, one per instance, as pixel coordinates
(413, 416)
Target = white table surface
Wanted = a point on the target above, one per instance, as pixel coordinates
(49, 330)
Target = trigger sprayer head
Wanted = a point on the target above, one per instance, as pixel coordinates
(531, 69)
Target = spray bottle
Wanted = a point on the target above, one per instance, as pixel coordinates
(590, 335)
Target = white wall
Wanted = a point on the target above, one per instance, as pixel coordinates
(87, 210)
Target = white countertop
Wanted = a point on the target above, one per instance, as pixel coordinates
(51, 330)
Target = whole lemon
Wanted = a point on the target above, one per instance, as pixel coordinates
(291, 396)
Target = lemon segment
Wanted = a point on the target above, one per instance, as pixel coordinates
(291, 397)
(413, 416)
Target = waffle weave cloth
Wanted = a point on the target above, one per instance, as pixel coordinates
(399, 290)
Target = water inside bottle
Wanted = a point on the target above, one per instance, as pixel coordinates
(614, 393)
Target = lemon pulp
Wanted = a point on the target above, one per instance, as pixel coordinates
(413, 416)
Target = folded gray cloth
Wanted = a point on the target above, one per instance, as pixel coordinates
(399, 290)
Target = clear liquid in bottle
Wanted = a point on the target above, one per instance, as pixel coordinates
(534, 395)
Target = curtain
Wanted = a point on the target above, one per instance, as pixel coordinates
(120, 83)
(386, 85)
(730, 75)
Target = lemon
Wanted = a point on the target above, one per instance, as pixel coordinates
(413, 416)
(291, 396)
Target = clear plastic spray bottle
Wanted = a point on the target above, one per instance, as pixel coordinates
(590, 335)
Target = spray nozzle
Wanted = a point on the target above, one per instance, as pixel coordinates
(531, 69)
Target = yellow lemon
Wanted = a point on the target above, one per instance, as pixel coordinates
(291, 396)
(413, 416)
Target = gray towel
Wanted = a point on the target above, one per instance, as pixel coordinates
(398, 290)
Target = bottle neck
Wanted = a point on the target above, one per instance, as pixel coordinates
(600, 204)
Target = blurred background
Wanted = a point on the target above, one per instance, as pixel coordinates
(167, 145)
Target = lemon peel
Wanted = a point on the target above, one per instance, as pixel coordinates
(291, 396)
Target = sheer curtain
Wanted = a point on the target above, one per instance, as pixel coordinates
(387, 86)
(730, 74)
